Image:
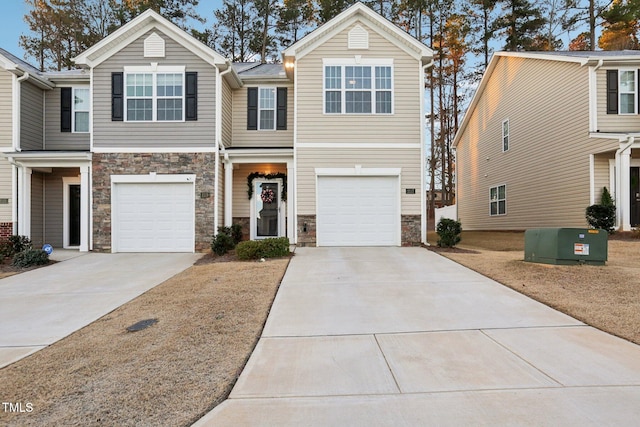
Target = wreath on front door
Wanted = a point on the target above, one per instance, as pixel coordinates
(267, 195)
(279, 175)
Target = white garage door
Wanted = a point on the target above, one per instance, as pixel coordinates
(358, 211)
(153, 217)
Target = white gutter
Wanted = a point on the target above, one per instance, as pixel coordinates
(218, 144)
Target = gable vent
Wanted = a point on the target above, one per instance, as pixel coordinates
(358, 38)
(154, 46)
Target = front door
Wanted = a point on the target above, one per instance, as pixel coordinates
(635, 196)
(74, 215)
(266, 212)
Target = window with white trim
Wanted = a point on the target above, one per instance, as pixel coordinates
(498, 200)
(505, 135)
(628, 91)
(80, 112)
(156, 95)
(358, 89)
(267, 108)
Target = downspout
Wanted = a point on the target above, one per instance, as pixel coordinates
(16, 111)
(423, 168)
(619, 195)
(216, 185)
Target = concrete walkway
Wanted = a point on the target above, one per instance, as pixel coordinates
(404, 337)
(42, 306)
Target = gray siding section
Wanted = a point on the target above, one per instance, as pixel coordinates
(114, 135)
(54, 139)
(31, 117)
(5, 190)
(37, 209)
(546, 169)
(260, 138)
(6, 110)
(612, 122)
(53, 202)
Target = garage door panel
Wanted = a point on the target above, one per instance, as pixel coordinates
(155, 217)
(358, 211)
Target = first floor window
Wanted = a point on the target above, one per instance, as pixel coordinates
(358, 89)
(154, 96)
(498, 200)
(81, 107)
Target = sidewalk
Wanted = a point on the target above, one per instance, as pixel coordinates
(404, 337)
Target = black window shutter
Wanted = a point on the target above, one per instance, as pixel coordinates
(191, 94)
(282, 109)
(65, 109)
(117, 97)
(252, 108)
(612, 91)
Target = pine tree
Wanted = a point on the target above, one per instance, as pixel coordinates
(521, 22)
(234, 29)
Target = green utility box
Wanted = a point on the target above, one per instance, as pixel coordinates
(566, 246)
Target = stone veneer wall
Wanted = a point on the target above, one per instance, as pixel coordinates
(411, 230)
(306, 238)
(6, 230)
(107, 164)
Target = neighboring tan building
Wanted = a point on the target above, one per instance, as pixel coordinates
(158, 140)
(544, 134)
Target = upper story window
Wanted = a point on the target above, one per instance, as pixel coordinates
(622, 91)
(498, 200)
(154, 96)
(81, 107)
(505, 135)
(267, 108)
(358, 88)
(75, 104)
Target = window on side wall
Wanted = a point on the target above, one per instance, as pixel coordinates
(358, 89)
(505, 135)
(498, 200)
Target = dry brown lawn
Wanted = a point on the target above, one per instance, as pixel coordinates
(606, 297)
(209, 320)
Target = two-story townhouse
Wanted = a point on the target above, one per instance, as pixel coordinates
(157, 140)
(544, 134)
(45, 168)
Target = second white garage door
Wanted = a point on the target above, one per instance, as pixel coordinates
(153, 217)
(358, 211)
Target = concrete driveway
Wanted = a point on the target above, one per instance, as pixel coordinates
(404, 337)
(40, 307)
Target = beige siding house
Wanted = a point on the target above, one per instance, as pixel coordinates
(156, 141)
(544, 134)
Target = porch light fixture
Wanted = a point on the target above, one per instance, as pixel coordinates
(289, 65)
